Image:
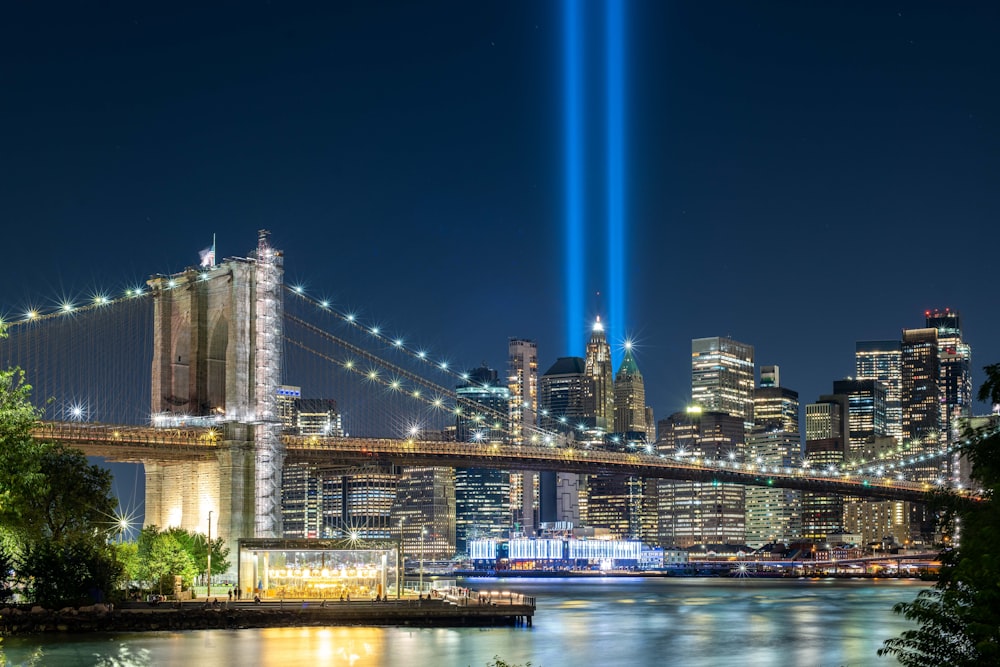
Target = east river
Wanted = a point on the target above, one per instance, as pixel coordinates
(604, 622)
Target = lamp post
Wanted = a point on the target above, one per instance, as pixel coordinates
(208, 574)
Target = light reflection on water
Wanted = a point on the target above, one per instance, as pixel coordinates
(602, 622)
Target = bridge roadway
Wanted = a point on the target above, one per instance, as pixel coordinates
(141, 443)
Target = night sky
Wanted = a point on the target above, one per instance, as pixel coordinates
(799, 176)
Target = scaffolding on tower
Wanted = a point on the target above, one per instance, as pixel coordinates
(269, 450)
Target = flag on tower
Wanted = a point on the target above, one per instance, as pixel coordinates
(208, 256)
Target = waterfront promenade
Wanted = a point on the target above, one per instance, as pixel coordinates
(451, 608)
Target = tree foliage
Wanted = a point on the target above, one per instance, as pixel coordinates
(161, 557)
(69, 572)
(959, 619)
(55, 508)
(196, 544)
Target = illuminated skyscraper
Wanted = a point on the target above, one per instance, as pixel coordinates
(424, 512)
(866, 413)
(955, 379)
(922, 397)
(302, 484)
(482, 495)
(630, 398)
(774, 515)
(826, 447)
(882, 360)
(693, 513)
(566, 405)
(722, 377)
(598, 368)
(522, 382)
(775, 406)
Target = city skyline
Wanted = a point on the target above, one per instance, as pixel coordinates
(353, 136)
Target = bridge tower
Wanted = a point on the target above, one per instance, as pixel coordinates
(217, 345)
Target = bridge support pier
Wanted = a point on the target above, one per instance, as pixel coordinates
(236, 464)
(182, 493)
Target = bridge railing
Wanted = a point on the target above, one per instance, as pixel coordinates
(204, 439)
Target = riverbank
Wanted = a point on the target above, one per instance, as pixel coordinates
(197, 615)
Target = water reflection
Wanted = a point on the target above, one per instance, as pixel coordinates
(611, 621)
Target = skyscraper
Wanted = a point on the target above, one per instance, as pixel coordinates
(866, 413)
(598, 368)
(882, 360)
(482, 495)
(693, 513)
(522, 381)
(630, 397)
(955, 379)
(773, 515)
(722, 377)
(921, 396)
(566, 405)
(826, 447)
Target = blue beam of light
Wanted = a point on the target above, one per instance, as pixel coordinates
(615, 135)
(573, 157)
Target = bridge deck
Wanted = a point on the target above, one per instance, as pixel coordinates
(137, 444)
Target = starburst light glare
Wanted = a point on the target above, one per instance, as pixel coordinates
(573, 165)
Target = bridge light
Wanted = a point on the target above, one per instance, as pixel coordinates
(204, 276)
(422, 354)
(298, 289)
(324, 304)
(350, 317)
(398, 342)
(67, 308)
(31, 314)
(375, 330)
(443, 365)
(171, 283)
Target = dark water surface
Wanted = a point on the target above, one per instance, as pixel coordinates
(605, 622)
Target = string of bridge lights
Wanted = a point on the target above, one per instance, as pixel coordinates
(441, 398)
(439, 401)
(33, 314)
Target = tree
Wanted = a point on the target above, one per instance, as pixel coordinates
(54, 511)
(65, 499)
(69, 572)
(959, 619)
(162, 557)
(196, 544)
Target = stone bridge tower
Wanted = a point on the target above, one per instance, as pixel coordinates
(217, 345)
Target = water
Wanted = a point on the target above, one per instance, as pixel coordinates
(606, 622)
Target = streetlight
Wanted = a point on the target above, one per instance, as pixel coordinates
(208, 575)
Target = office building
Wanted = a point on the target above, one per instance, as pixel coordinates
(882, 360)
(597, 364)
(866, 413)
(722, 377)
(695, 512)
(954, 382)
(424, 512)
(482, 495)
(522, 382)
(566, 406)
(774, 515)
